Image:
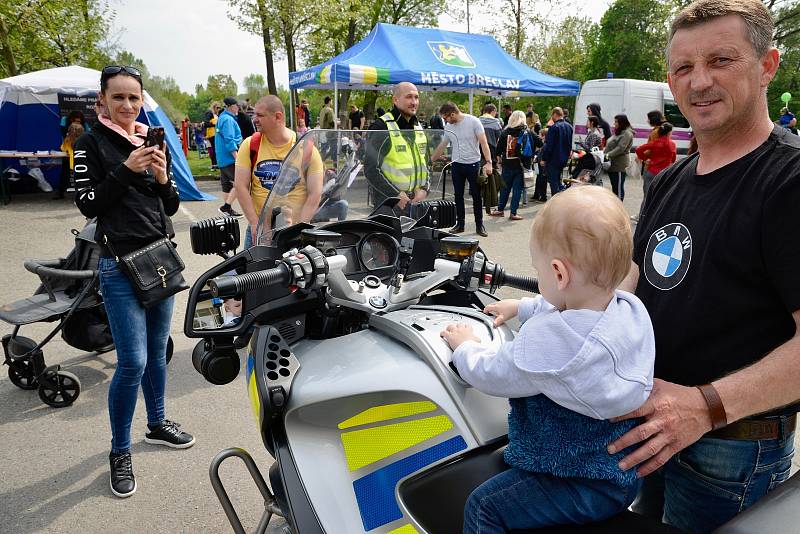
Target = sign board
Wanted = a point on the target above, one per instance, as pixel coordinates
(83, 103)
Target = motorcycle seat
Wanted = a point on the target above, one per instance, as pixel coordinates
(423, 497)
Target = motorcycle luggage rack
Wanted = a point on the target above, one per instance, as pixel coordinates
(270, 504)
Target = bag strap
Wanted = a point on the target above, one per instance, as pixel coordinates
(255, 141)
(163, 222)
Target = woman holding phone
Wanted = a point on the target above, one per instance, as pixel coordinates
(126, 184)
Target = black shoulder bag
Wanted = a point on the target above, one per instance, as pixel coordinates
(155, 270)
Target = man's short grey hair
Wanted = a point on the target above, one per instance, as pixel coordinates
(757, 20)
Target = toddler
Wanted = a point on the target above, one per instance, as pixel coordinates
(584, 354)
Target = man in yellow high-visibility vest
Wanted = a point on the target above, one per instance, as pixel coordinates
(396, 164)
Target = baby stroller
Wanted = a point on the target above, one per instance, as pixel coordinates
(586, 166)
(68, 294)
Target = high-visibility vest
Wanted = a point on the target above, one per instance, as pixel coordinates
(404, 165)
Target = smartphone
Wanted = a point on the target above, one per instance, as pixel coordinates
(155, 136)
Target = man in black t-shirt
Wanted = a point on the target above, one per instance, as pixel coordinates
(356, 118)
(715, 254)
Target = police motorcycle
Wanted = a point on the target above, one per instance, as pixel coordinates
(334, 325)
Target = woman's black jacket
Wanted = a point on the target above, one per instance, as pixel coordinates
(125, 203)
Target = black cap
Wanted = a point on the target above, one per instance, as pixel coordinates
(229, 101)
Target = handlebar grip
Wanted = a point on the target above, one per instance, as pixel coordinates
(525, 283)
(231, 286)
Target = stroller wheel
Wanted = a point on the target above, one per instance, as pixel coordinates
(21, 374)
(59, 389)
(170, 348)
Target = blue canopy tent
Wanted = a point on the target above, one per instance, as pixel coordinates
(30, 117)
(432, 59)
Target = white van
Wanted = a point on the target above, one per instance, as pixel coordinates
(634, 98)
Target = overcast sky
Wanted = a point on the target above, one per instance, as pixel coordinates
(190, 39)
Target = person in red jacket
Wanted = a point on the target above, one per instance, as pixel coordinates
(657, 155)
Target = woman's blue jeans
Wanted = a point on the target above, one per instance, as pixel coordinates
(712, 480)
(140, 336)
(514, 183)
(517, 499)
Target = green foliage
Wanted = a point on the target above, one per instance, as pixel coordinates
(165, 91)
(788, 77)
(569, 45)
(254, 87)
(123, 57)
(220, 85)
(217, 87)
(196, 107)
(633, 34)
(40, 34)
(337, 26)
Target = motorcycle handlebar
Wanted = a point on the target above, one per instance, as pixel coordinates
(525, 283)
(231, 286)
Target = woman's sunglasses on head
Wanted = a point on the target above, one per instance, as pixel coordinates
(111, 70)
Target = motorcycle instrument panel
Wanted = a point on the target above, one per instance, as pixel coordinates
(373, 252)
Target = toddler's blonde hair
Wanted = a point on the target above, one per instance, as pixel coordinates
(589, 228)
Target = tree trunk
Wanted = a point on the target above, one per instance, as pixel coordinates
(369, 106)
(344, 96)
(7, 52)
(291, 55)
(267, 40)
(518, 37)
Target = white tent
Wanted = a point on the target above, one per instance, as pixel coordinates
(30, 116)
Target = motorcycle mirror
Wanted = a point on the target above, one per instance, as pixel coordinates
(212, 313)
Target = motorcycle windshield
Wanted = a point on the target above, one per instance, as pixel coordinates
(331, 175)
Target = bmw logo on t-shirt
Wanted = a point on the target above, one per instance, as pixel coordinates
(669, 253)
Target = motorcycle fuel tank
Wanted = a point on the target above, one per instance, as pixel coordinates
(369, 409)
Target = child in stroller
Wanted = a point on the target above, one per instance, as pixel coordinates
(68, 294)
(586, 166)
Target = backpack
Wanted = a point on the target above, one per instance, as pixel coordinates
(524, 144)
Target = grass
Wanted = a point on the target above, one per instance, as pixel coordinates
(201, 167)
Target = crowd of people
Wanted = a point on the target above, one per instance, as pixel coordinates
(619, 357)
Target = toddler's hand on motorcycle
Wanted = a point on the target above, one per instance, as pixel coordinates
(503, 311)
(457, 333)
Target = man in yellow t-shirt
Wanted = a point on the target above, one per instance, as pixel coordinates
(254, 182)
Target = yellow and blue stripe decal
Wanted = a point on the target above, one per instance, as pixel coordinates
(405, 529)
(377, 414)
(375, 491)
(364, 447)
(252, 390)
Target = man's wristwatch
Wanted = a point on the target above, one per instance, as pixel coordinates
(410, 194)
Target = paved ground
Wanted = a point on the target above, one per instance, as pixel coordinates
(54, 474)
